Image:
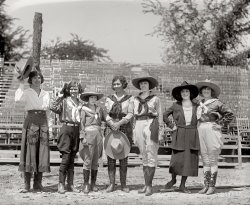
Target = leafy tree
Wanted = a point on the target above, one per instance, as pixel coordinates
(74, 49)
(207, 32)
(12, 40)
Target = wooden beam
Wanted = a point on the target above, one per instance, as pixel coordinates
(37, 36)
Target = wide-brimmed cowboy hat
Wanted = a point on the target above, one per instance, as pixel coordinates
(117, 145)
(176, 92)
(210, 84)
(85, 96)
(145, 77)
(24, 67)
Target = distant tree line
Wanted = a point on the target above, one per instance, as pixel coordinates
(14, 44)
(74, 49)
(12, 40)
(205, 32)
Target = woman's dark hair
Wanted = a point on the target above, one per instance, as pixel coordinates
(212, 91)
(66, 88)
(144, 80)
(122, 80)
(33, 74)
(191, 94)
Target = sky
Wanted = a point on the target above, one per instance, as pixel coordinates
(118, 26)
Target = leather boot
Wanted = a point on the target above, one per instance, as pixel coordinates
(151, 173)
(70, 182)
(37, 186)
(26, 176)
(207, 176)
(145, 171)
(93, 180)
(86, 181)
(111, 173)
(123, 174)
(61, 185)
(212, 183)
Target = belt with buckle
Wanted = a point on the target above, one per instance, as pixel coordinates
(144, 117)
(71, 124)
(36, 111)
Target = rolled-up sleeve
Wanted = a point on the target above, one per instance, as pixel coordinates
(107, 109)
(130, 113)
(159, 111)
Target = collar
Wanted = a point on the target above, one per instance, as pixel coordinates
(150, 94)
(42, 92)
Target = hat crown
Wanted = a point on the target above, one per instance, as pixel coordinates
(90, 90)
(117, 145)
(185, 83)
(144, 74)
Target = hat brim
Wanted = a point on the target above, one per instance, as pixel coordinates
(176, 92)
(152, 82)
(111, 152)
(85, 96)
(211, 85)
(26, 69)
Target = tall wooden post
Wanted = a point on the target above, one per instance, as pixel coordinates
(37, 36)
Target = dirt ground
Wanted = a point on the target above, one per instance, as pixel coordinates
(233, 187)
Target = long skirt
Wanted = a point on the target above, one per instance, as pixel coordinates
(35, 151)
(185, 162)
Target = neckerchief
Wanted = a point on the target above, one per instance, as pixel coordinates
(143, 102)
(96, 114)
(117, 106)
(203, 109)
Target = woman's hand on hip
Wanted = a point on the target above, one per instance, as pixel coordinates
(216, 127)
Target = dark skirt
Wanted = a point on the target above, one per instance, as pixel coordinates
(185, 162)
(35, 151)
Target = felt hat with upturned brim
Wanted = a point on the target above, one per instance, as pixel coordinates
(117, 145)
(85, 96)
(208, 83)
(151, 80)
(176, 92)
(26, 68)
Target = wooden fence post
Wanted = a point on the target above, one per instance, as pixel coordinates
(37, 36)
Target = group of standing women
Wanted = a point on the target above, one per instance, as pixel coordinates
(139, 119)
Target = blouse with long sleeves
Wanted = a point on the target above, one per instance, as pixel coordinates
(95, 118)
(91, 119)
(32, 100)
(69, 110)
(119, 108)
(214, 106)
(151, 106)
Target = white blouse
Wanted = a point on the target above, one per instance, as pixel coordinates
(32, 100)
(188, 111)
(127, 107)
